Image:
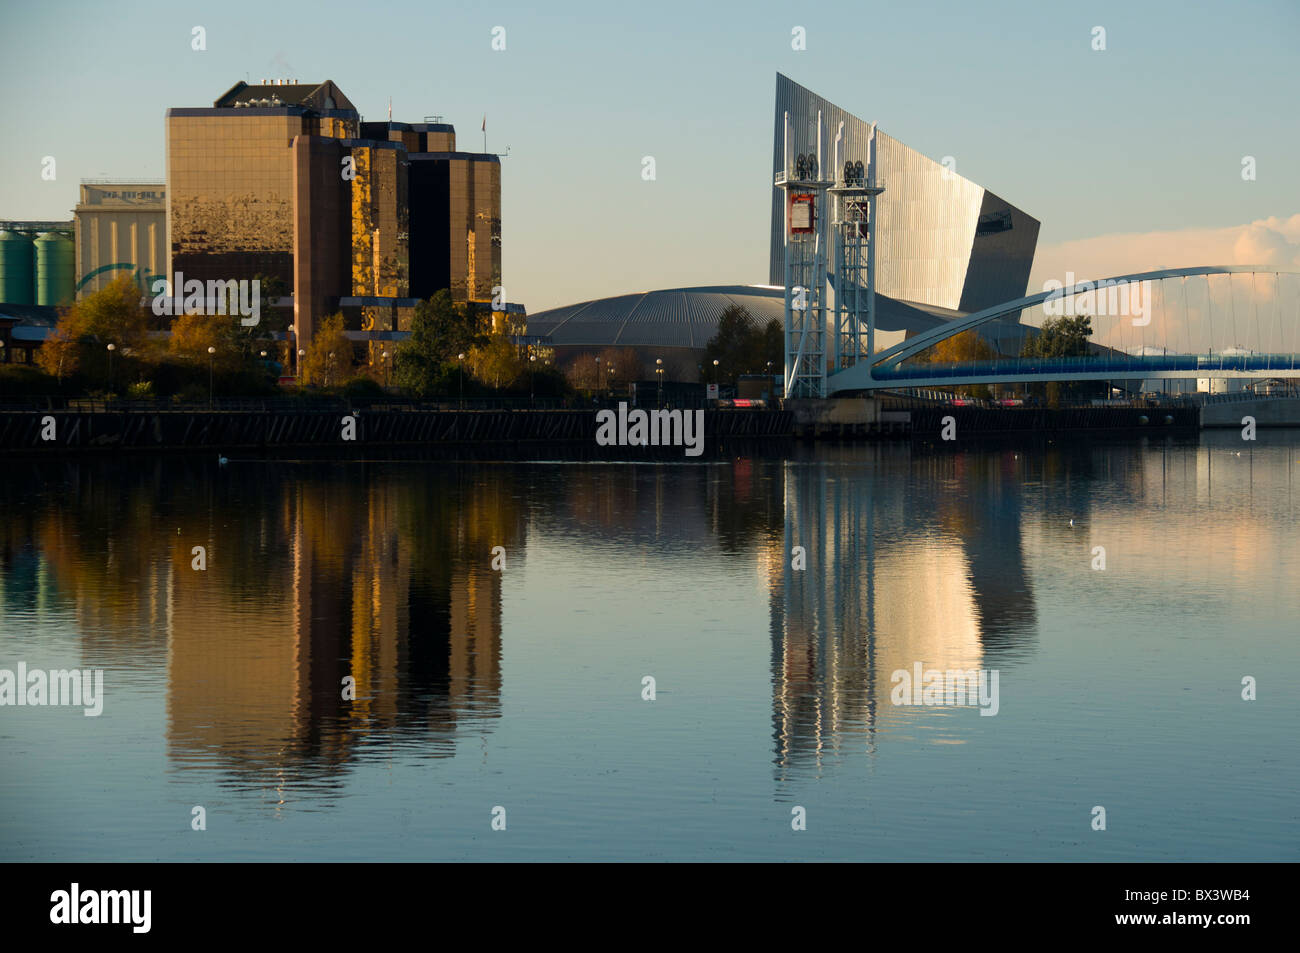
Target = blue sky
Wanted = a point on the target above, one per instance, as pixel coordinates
(1143, 140)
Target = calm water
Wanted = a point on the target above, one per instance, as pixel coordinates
(522, 687)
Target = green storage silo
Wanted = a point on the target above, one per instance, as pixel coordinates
(56, 266)
(17, 268)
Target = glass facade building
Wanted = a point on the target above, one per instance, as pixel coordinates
(284, 181)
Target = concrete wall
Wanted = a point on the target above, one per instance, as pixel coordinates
(1267, 411)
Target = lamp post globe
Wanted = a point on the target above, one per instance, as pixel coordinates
(211, 352)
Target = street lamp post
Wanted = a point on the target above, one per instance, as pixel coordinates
(610, 370)
(383, 359)
(111, 348)
(460, 366)
(596, 385)
(301, 355)
(211, 352)
(659, 376)
(532, 394)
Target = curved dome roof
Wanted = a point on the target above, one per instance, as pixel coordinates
(673, 317)
(688, 317)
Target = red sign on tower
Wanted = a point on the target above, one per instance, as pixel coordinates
(801, 213)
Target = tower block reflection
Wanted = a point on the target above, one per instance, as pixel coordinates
(388, 628)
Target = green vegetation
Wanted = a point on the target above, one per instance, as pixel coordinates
(427, 363)
(1060, 337)
(1057, 338)
(218, 352)
(740, 347)
(101, 345)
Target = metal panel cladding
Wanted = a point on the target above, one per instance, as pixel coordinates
(943, 240)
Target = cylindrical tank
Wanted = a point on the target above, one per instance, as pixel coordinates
(17, 268)
(56, 266)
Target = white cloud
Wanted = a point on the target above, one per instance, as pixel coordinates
(1273, 242)
(1220, 312)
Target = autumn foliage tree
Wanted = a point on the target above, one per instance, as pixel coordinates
(497, 361)
(961, 348)
(112, 315)
(329, 356)
(193, 334)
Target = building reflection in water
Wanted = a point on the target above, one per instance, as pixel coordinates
(382, 573)
(387, 581)
(315, 573)
(918, 561)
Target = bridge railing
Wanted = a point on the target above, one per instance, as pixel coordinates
(1132, 367)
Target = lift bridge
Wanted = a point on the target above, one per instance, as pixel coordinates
(851, 192)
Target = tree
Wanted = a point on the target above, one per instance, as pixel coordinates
(960, 348)
(731, 345)
(584, 372)
(440, 330)
(1060, 337)
(740, 347)
(626, 363)
(497, 362)
(329, 355)
(1057, 338)
(59, 354)
(966, 347)
(111, 315)
(193, 334)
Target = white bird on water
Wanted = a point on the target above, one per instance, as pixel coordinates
(1071, 522)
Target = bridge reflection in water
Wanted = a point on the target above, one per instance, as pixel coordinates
(889, 582)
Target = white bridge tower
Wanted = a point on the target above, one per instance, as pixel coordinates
(852, 189)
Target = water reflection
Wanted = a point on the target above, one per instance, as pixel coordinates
(313, 575)
(918, 563)
(381, 573)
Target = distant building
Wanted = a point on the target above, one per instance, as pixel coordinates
(121, 227)
(946, 247)
(283, 180)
